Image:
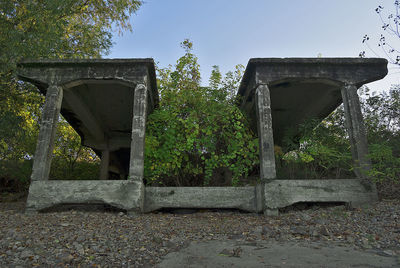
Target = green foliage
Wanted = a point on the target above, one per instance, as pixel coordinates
(35, 29)
(323, 150)
(382, 118)
(196, 136)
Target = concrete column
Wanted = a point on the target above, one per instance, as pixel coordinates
(356, 130)
(266, 143)
(104, 164)
(136, 165)
(47, 132)
(265, 134)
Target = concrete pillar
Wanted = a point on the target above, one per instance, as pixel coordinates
(48, 126)
(266, 143)
(265, 134)
(356, 130)
(104, 164)
(136, 165)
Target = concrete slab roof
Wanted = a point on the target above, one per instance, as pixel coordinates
(303, 88)
(97, 97)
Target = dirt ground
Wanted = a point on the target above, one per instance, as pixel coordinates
(304, 235)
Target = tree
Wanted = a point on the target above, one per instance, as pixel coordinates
(197, 136)
(35, 29)
(390, 36)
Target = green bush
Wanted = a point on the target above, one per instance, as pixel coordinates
(198, 136)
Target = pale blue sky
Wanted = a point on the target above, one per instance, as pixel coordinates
(229, 32)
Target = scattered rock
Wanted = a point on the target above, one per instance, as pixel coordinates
(26, 254)
(106, 239)
(324, 231)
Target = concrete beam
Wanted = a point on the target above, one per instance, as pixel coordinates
(283, 193)
(85, 115)
(124, 194)
(244, 198)
(118, 193)
(48, 126)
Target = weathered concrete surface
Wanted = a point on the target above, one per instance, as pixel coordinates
(98, 99)
(282, 193)
(356, 130)
(47, 132)
(244, 198)
(302, 88)
(273, 254)
(121, 194)
(131, 195)
(265, 134)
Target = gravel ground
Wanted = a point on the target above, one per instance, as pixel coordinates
(112, 239)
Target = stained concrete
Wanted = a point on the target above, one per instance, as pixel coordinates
(131, 195)
(273, 254)
(98, 99)
(122, 194)
(244, 198)
(279, 95)
(107, 102)
(302, 88)
(282, 193)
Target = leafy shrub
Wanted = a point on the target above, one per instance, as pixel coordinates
(198, 136)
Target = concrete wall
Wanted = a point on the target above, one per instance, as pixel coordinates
(123, 194)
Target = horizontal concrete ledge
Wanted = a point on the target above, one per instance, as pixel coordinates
(243, 198)
(124, 194)
(282, 193)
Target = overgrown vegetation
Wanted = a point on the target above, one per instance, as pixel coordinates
(48, 29)
(198, 136)
(323, 150)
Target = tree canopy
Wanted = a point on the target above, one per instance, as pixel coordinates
(38, 29)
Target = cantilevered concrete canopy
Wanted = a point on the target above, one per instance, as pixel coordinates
(280, 94)
(107, 102)
(305, 88)
(98, 98)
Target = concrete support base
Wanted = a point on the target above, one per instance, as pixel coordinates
(127, 195)
(283, 193)
(271, 212)
(122, 194)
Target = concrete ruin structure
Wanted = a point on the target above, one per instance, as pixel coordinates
(107, 102)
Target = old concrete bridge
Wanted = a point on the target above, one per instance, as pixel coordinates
(107, 103)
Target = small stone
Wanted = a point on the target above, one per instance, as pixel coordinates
(225, 252)
(157, 239)
(266, 230)
(389, 252)
(26, 253)
(68, 258)
(169, 244)
(315, 233)
(306, 217)
(121, 214)
(298, 230)
(324, 231)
